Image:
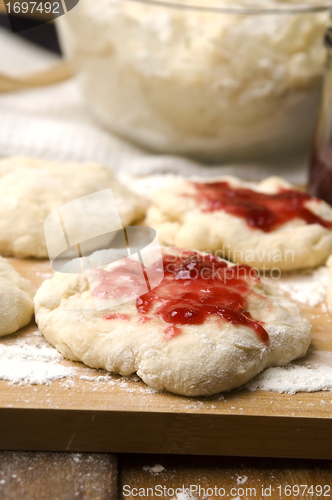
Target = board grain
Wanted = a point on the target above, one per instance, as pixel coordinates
(87, 412)
(58, 476)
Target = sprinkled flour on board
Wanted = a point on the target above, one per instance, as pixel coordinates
(306, 287)
(24, 362)
(241, 479)
(311, 374)
(155, 469)
(30, 364)
(32, 360)
(293, 378)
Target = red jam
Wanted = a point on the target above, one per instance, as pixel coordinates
(117, 316)
(261, 211)
(194, 287)
(144, 319)
(172, 331)
(123, 281)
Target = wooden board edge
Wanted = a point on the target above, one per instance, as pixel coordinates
(139, 432)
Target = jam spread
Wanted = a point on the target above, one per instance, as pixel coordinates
(260, 210)
(117, 316)
(194, 287)
(124, 281)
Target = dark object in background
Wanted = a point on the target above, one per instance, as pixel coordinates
(320, 178)
(27, 15)
(43, 35)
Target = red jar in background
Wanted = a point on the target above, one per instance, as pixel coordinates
(320, 177)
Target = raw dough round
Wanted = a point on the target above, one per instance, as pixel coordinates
(180, 220)
(16, 305)
(30, 189)
(203, 359)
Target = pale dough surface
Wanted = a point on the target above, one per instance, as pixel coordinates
(30, 189)
(181, 221)
(203, 360)
(16, 305)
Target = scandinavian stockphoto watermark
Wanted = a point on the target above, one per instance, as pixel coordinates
(86, 234)
(267, 263)
(27, 14)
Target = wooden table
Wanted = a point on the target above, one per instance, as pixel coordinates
(67, 476)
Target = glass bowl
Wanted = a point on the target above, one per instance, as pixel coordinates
(218, 81)
(320, 178)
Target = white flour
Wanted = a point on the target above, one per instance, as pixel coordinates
(307, 287)
(155, 469)
(293, 378)
(311, 374)
(23, 364)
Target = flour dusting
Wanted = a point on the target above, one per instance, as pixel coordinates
(306, 287)
(30, 364)
(241, 479)
(308, 375)
(155, 469)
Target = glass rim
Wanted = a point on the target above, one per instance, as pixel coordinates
(283, 9)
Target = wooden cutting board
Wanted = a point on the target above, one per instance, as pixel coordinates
(84, 413)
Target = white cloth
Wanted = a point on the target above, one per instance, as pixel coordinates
(53, 122)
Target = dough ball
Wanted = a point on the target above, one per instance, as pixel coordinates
(30, 189)
(16, 305)
(199, 332)
(183, 218)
